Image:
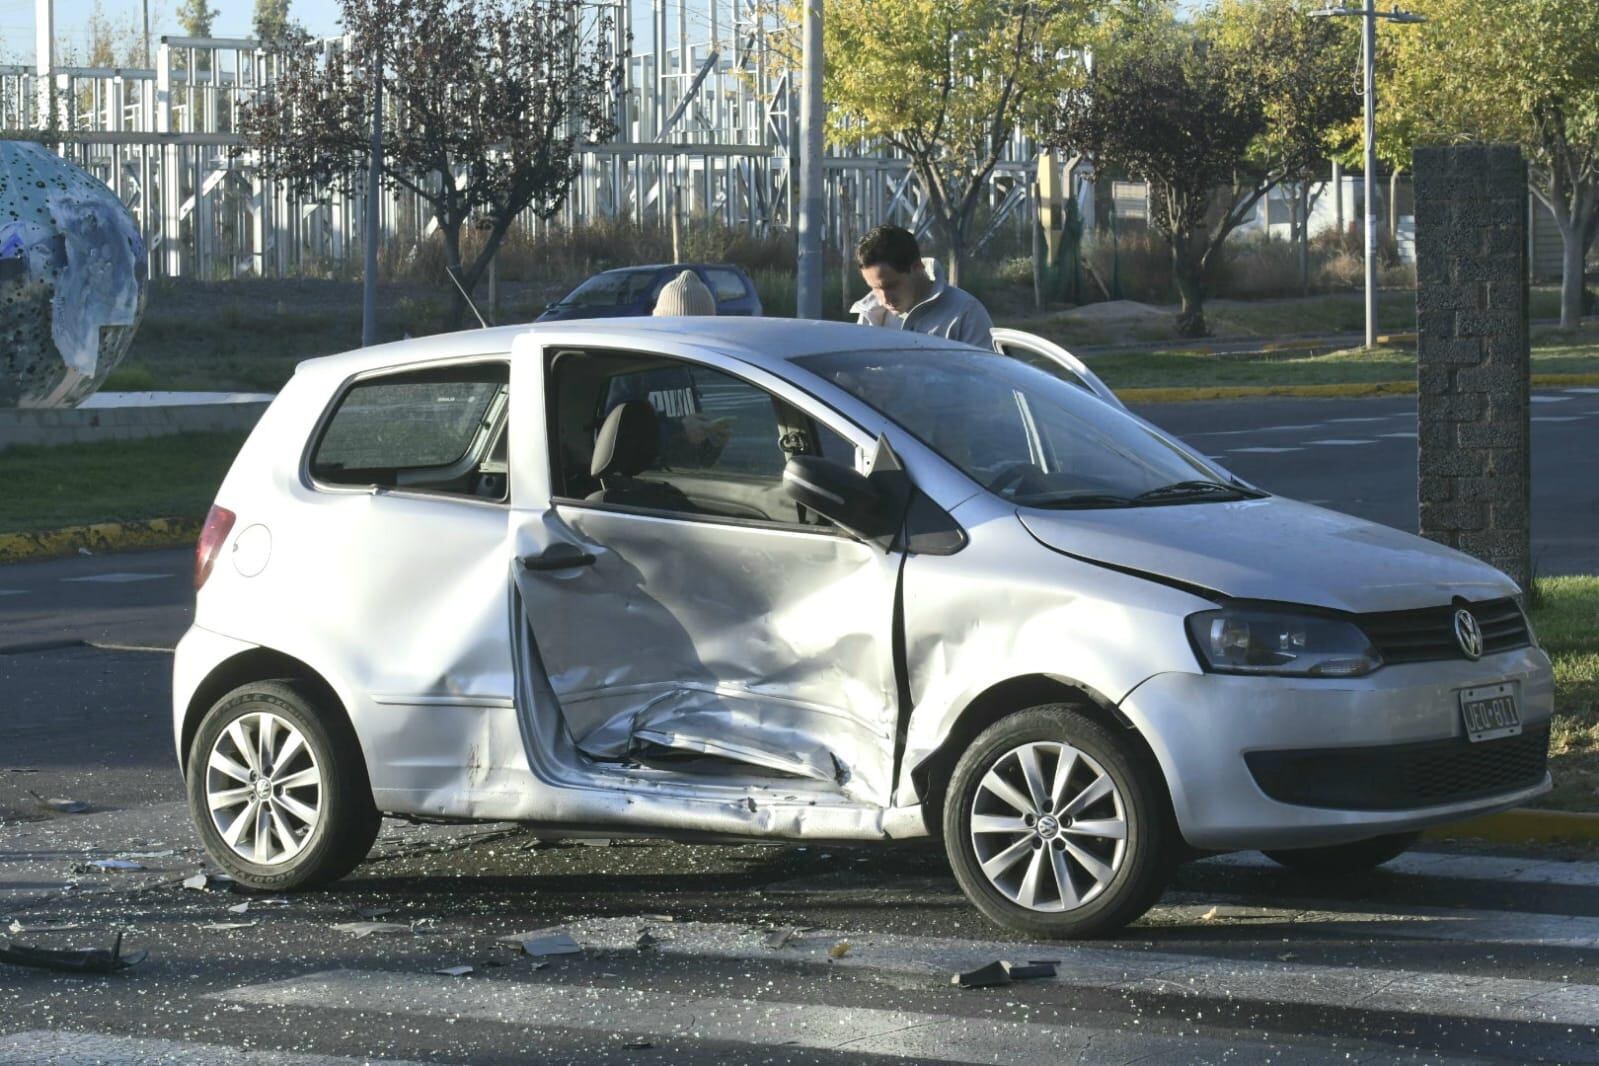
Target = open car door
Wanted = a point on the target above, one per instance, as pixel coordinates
(1051, 357)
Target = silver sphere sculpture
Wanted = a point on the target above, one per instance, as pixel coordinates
(72, 279)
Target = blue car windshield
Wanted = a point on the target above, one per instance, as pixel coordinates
(1021, 432)
(614, 288)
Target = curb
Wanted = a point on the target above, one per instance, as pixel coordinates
(100, 537)
(1524, 824)
(1339, 391)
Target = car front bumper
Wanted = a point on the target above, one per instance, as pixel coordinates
(1228, 744)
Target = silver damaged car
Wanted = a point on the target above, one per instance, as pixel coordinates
(770, 580)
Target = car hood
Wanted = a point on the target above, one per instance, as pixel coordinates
(1273, 549)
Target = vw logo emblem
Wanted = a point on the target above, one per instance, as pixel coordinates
(1468, 634)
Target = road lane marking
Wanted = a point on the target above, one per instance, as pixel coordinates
(1258, 429)
(1557, 418)
(121, 578)
(1550, 399)
(72, 1049)
(1261, 451)
(1407, 435)
(1382, 418)
(906, 1035)
(1340, 440)
(1463, 867)
(13, 592)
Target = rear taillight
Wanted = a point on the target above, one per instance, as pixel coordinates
(218, 524)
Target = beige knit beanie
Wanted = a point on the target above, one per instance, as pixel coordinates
(685, 294)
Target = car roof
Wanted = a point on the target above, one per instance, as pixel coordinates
(670, 266)
(768, 343)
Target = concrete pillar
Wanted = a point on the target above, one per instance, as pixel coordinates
(1473, 360)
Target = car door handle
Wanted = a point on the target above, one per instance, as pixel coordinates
(558, 556)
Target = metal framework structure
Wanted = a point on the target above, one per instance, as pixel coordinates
(706, 106)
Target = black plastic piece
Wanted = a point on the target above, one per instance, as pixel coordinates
(560, 555)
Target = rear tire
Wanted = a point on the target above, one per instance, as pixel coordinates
(278, 789)
(1337, 860)
(1073, 833)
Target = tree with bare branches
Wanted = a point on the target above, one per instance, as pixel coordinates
(486, 104)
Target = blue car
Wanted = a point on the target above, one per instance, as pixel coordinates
(632, 291)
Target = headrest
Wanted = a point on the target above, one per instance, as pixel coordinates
(627, 441)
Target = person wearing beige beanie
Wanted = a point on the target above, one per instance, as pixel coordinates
(685, 294)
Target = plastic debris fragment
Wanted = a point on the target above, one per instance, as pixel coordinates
(990, 976)
(208, 882)
(840, 949)
(88, 960)
(646, 940)
(1000, 973)
(361, 930)
(60, 804)
(116, 864)
(558, 943)
(17, 927)
(779, 938)
(224, 927)
(373, 912)
(454, 971)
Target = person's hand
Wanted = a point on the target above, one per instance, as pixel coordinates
(698, 429)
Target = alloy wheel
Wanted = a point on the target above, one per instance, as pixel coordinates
(264, 788)
(1049, 827)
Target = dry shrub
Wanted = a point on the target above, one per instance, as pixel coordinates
(1137, 260)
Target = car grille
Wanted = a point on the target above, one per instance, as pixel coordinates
(1428, 634)
(1402, 776)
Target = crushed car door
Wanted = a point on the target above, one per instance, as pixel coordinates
(688, 613)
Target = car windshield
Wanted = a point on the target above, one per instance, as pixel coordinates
(612, 289)
(1023, 433)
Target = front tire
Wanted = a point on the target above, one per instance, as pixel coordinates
(278, 789)
(1057, 827)
(1338, 860)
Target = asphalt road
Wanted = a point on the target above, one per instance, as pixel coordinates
(1449, 955)
(1359, 456)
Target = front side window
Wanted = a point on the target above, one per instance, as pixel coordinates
(681, 438)
(434, 430)
(1023, 433)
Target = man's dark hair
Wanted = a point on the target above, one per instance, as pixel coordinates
(889, 246)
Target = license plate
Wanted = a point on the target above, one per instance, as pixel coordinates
(1490, 712)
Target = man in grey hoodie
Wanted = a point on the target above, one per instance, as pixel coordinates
(909, 292)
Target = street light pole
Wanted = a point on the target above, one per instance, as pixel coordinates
(374, 189)
(808, 298)
(1368, 62)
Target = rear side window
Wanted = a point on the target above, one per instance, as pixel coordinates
(725, 285)
(432, 430)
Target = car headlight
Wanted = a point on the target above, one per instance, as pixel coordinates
(1243, 640)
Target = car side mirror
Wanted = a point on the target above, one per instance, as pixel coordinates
(838, 493)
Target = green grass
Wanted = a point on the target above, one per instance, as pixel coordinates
(1260, 319)
(1566, 616)
(80, 484)
(1180, 369)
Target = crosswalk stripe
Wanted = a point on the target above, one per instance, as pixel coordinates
(44, 1047)
(1364, 988)
(912, 1035)
(1464, 867)
(120, 578)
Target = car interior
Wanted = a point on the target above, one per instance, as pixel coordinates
(636, 430)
